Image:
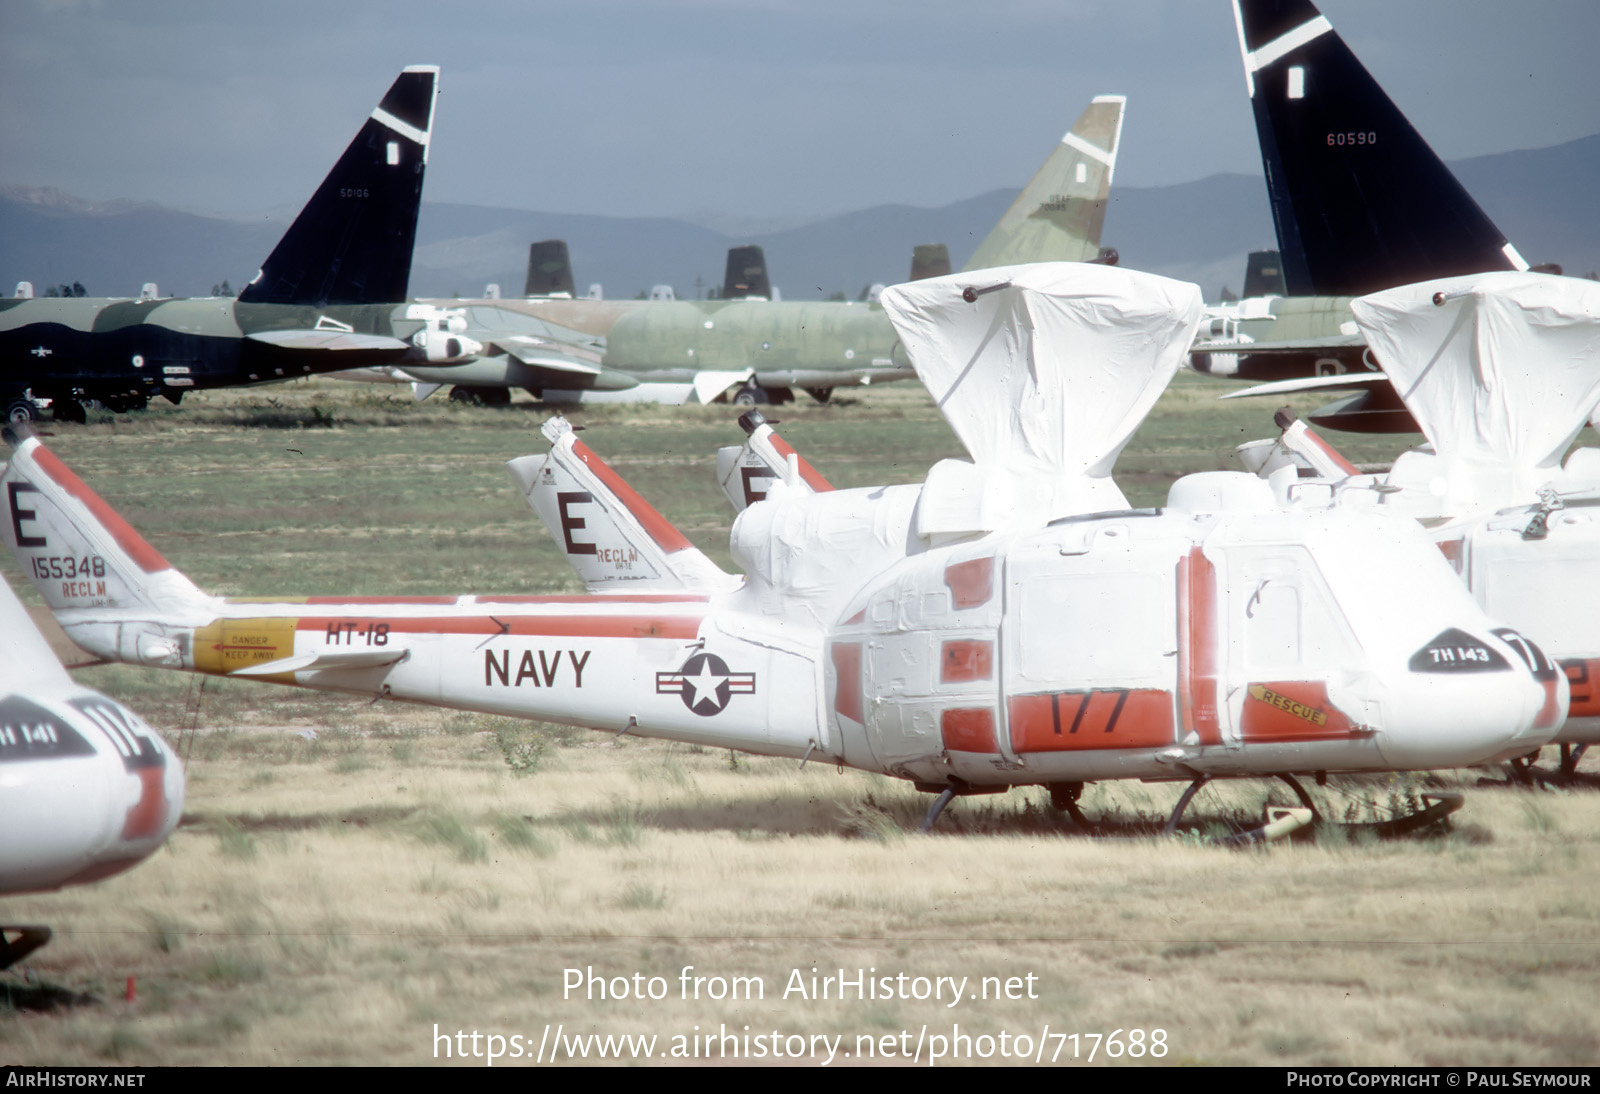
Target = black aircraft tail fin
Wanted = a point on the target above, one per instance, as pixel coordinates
(352, 242)
(1263, 274)
(929, 260)
(549, 269)
(1360, 201)
(746, 274)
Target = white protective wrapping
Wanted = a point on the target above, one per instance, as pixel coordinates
(805, 554)
(28, 662)
(1044, 380)
(1500, 375)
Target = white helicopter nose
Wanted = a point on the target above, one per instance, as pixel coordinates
(171, 791)
(1465, 701)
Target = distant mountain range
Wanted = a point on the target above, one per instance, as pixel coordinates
(1543, 199)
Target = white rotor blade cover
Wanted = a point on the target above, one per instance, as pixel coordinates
(1044, 376)
(28, 661)
(1502, 372)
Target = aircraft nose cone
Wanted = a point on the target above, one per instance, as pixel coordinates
(1467, 719)
(174, 788)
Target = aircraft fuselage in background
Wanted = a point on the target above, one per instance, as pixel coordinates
(1282, 337)
(124, 352)
(672, 351)
(640, 345)
(330, 296)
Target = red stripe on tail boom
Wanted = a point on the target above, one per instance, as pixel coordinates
(807, 472)
(574, 626)
(660, 529)
(146, 557)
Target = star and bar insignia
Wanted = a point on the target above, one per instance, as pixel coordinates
(706, 684)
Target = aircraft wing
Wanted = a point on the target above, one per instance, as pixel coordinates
(1300, 345)
(1361, 381)
(544, 353)
(335, 340)
(327, 659)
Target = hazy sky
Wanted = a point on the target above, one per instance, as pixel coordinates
(769, 108)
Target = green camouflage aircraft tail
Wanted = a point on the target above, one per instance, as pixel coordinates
(1059, 215)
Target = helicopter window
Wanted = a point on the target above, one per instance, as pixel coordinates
(1284, 620)
(1108, 627)
(1272, 625)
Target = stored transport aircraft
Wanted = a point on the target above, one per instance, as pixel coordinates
(1008, 621)
(1500, 372)
(332, 295)
(87, 789)
(761, 350)
(1359, 201)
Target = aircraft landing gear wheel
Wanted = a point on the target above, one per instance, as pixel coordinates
(481, 396)
(820, 394)
(20, 409)
(750, 395)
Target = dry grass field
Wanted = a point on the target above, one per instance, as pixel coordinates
(351, 879)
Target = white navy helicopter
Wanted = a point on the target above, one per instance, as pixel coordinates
(1009, 621)
(87, 789)
(1500, 372)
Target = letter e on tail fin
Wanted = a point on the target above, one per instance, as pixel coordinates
(745, 473)
(76, 549)
(612, 537)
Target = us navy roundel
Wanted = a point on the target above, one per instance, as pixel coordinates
(706, 684)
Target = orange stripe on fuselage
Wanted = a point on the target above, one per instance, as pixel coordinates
(847, 680)
(146, 557)
(807, 472)
(379, 601)
(147, 815)
(575, 626)
(1197, 646)
(971, 583)
(968, 729)
(659, 528)
(1292, 710)
(965, 660)
(598, 598)
(1583, 678)
(1071, 721)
